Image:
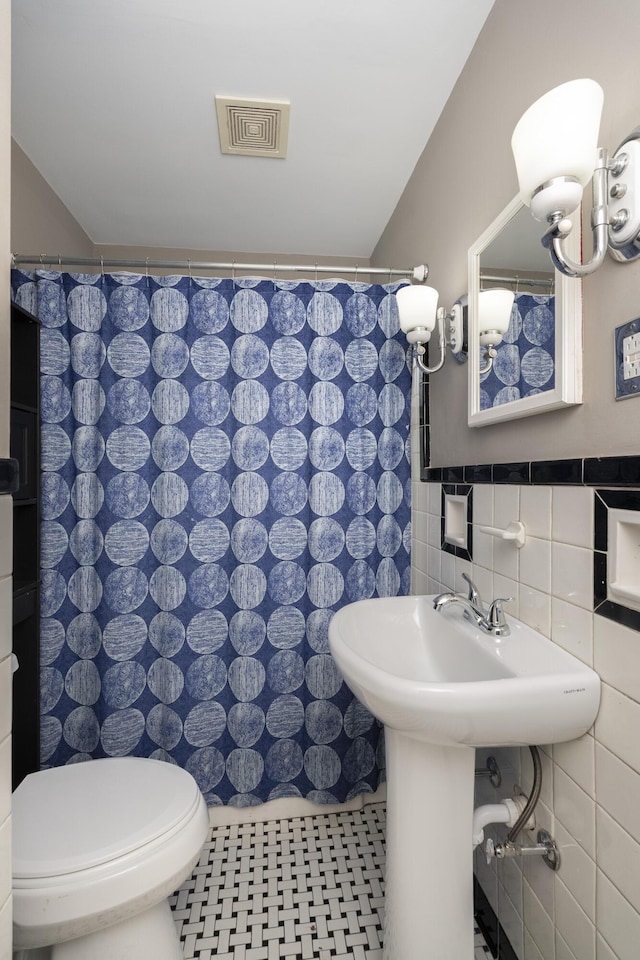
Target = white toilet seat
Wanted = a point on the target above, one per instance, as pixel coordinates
(115, 837)
(132, 801)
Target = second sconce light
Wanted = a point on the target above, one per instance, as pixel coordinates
(419, 315)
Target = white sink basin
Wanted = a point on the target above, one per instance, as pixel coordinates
(436, 677)
(442, 687)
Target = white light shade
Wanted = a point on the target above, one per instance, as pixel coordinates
(417, 307)
(494, 308)
(558, 137)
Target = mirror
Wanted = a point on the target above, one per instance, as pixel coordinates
(538, 366)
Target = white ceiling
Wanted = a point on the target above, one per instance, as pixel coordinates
(113, 101)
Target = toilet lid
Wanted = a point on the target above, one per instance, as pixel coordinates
(75, 817)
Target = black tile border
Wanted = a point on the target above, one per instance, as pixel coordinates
(423, 421)
(624, 500)
(453, 475)
(557, 471)
(458, 490)
(478, 473)
(577, 472)
(613, 471)
(512, 473)
(423, 424)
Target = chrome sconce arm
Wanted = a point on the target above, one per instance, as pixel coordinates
(450, 335)
(489, 356)
(604, 223)
(554, 146)
(561, 226)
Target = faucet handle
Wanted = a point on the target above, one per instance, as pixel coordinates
(495, 615)
(473, 594)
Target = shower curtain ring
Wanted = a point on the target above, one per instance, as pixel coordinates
(189, 267)
(316, 274)
(355, 278)
(102, 266)
(275, 275)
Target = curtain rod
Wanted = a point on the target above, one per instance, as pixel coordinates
(526, 281)
(417, 273)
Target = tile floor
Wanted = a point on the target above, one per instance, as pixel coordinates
(309, 888)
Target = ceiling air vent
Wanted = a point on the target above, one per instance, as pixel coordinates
(253, 128)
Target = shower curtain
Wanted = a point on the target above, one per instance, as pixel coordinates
(225, 464)
(525, 361)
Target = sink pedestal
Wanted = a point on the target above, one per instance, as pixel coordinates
(429, 873)
(442, 687)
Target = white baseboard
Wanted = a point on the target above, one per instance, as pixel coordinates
(286, 808)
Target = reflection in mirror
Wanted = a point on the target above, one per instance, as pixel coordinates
(538, 363)
(525, 360)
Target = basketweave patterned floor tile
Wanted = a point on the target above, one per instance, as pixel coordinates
(308, 888)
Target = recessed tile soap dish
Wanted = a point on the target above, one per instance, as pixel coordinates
(624, 557)
(455, 520)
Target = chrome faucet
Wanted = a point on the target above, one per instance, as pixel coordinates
(491, 620)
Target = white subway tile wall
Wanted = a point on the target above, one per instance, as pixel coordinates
(617, 922)
(574, 931)
(535, 511)
(590, 909)
(535, 563)
(616, 655)
(572, 516)
(572, 574)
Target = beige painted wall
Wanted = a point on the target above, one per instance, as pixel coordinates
(40, 222)
(466, 176)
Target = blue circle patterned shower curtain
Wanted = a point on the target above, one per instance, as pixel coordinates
(225, 464)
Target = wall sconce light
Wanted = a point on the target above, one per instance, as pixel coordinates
(419, 315)
(555, 147)
(494, 309)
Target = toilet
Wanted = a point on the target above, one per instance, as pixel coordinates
(98, 847)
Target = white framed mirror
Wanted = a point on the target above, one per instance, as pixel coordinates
(538, 366)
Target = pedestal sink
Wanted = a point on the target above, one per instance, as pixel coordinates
(442, 687)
